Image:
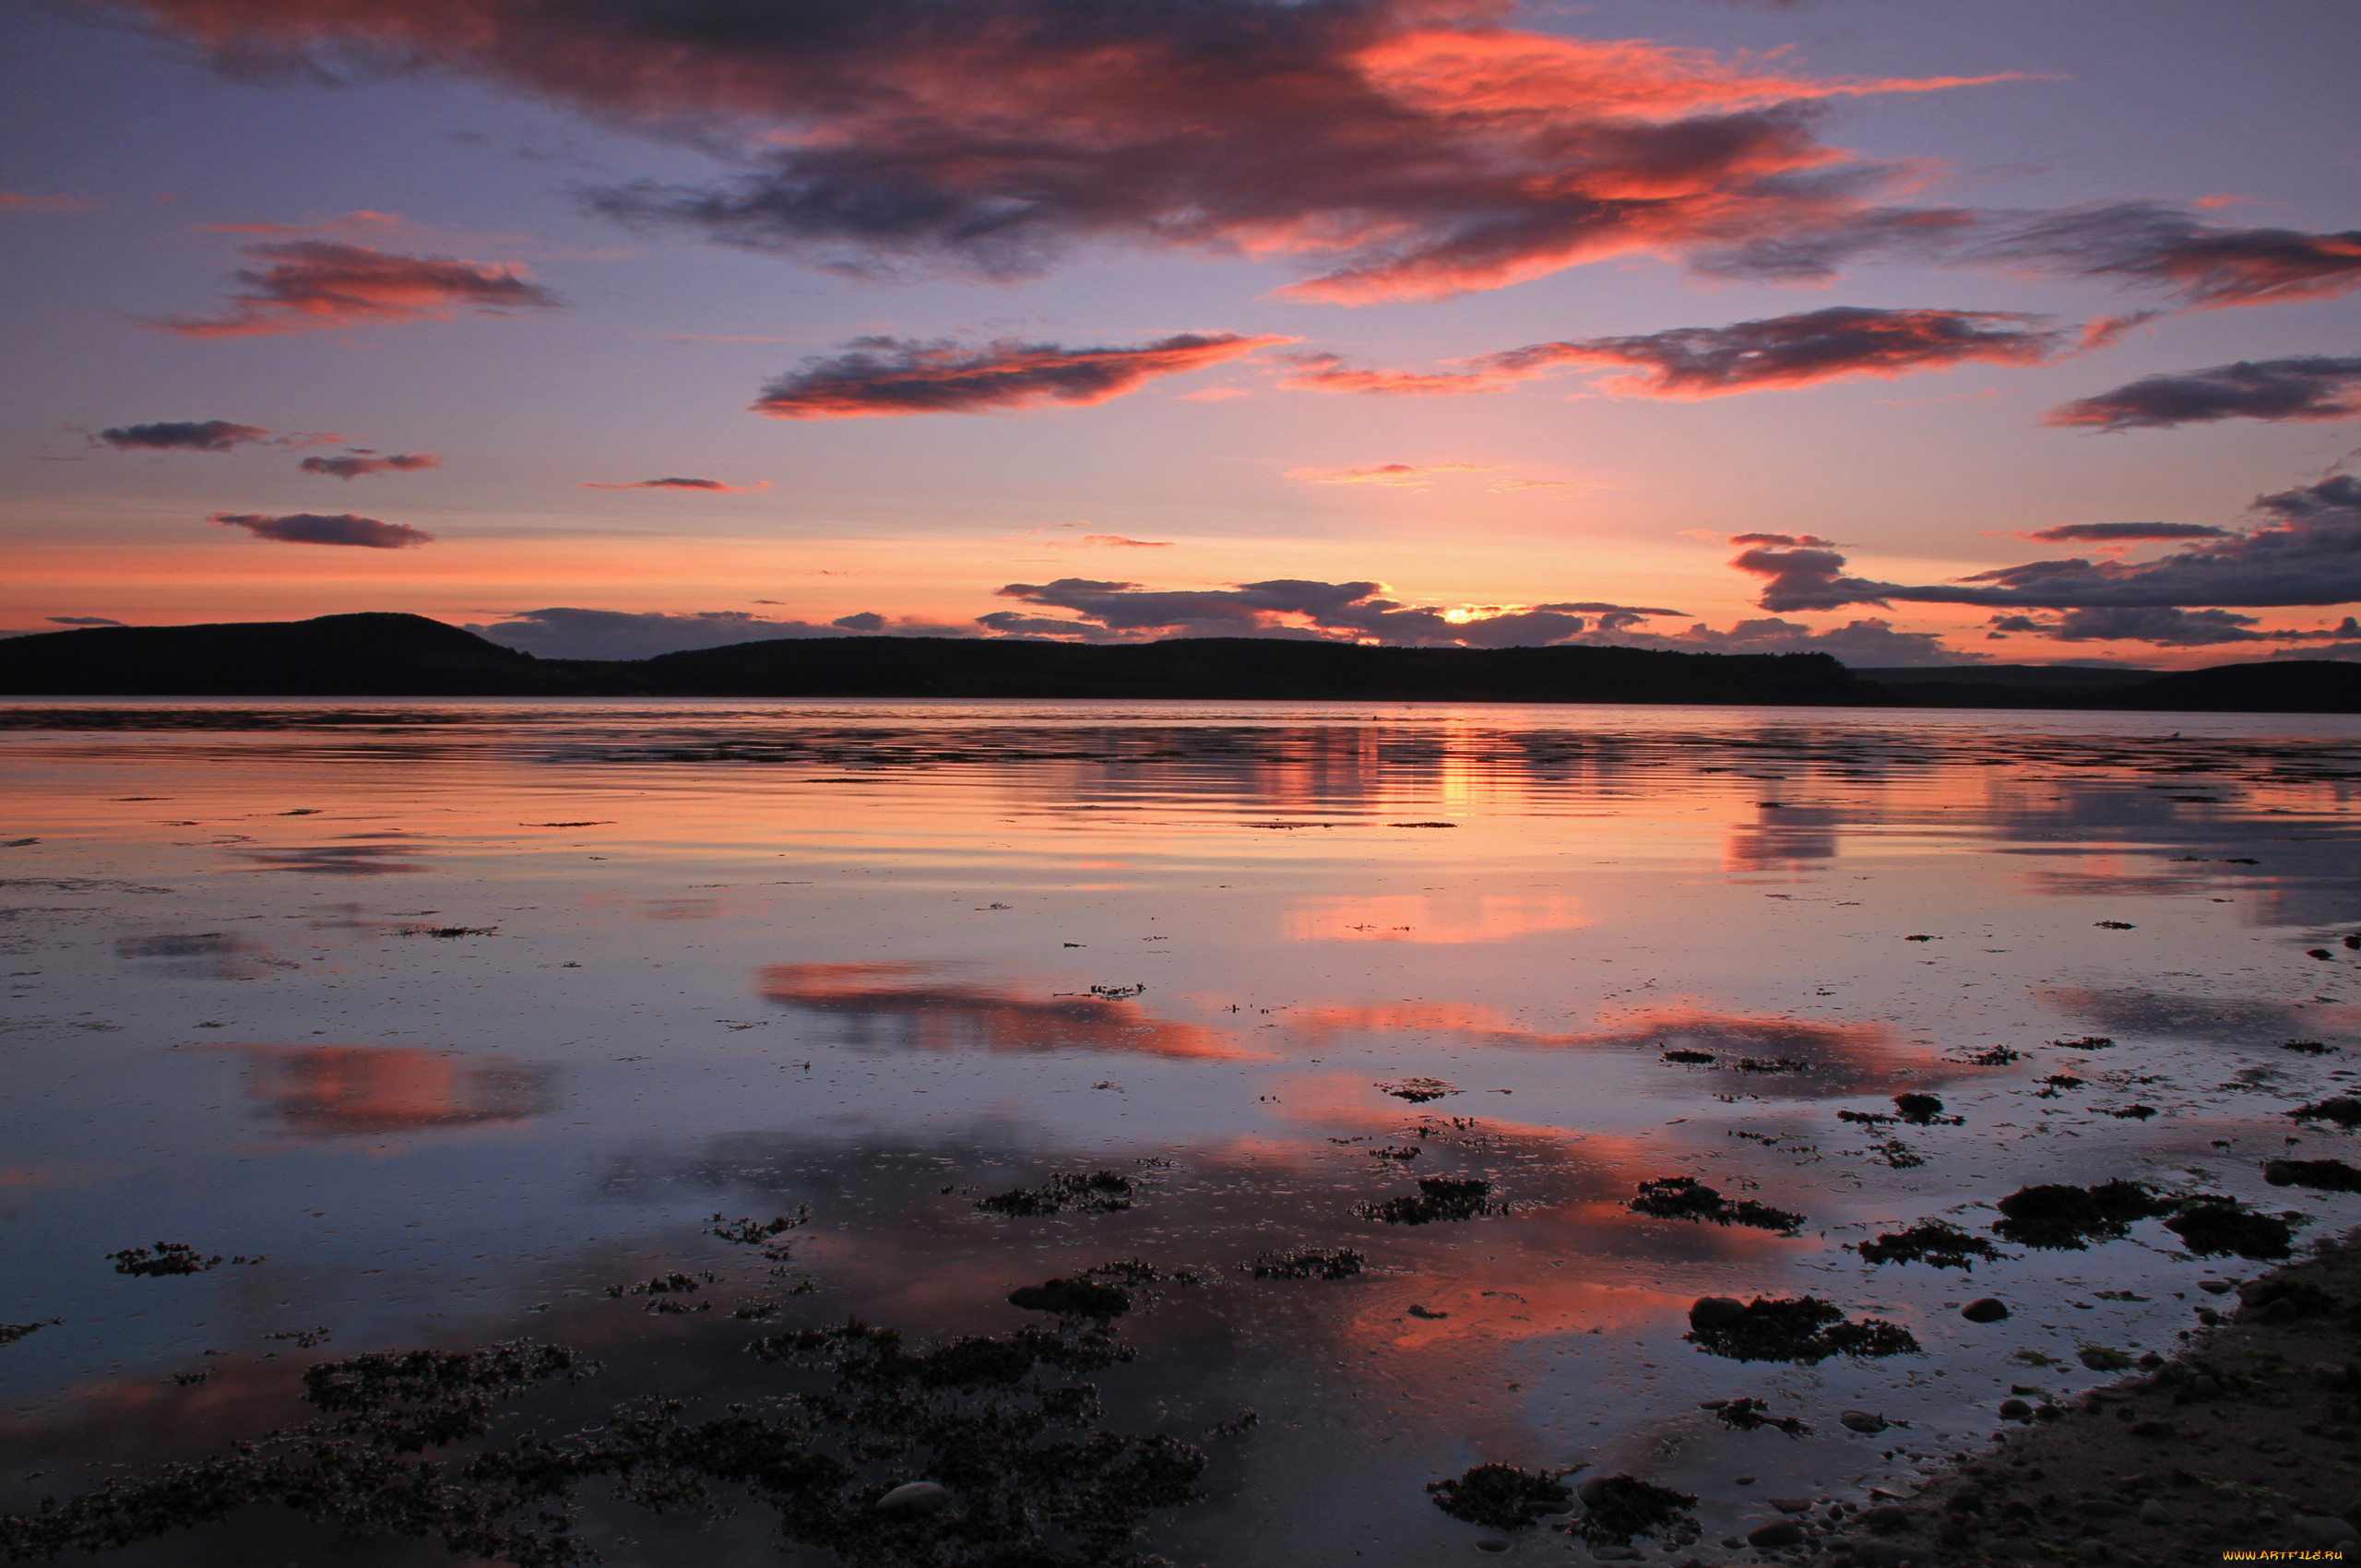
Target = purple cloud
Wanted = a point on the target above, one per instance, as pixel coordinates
(315, 528)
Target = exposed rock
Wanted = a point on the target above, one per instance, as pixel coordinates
(915, 1498)
(1985, 1309)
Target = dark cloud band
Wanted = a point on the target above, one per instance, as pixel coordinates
(2310, 387)
(886, 376)
(316, 527)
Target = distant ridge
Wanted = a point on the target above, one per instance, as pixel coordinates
(410, 655)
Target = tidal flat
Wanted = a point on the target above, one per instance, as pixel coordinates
(1183, 1131)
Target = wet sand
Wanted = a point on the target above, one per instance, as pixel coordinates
(2243, 1440)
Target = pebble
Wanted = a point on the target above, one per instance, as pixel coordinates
(2214, 1287)
(1615, 1553)
(1887, 1519)
(1591, 1491)
(1492, 1544)
(2015, 1410)
(1861, 1420)
(2322, 1530)
(1792, 1504)
(917, 1497)
(1985, 1309)
(1782, 1532)
(1715, 1311)
(2153, 1512)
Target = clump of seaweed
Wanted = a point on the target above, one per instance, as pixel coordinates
(2345, 1112)
(1616, 1508)
(1804, 1330)
(169, 1258)
(1924, 1111)
(2214, 1227)
(1935, 1241)
(998, 1422)
(1073, 1298)
(1438, 1198)
(1684, 1197)
(12, 1331)
(1748, 1415)
(1501, 1496)
(665, 1284)
(1897, 1155)
(2058, 1218)
(447, 931)
(2309, 1047)
(2321, 1175)
(2056, 1081)
(755, 1232)
(1419, 1091)
(1771, 1065)
(1691, 1058)
(1335, 1262)
(1097, 1192)
(2085, 1043)
(1998, 1056)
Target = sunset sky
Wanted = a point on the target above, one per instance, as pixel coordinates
(1914, 332)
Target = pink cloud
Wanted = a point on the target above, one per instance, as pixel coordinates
(886, 376)
(322, 285)
(354, 464)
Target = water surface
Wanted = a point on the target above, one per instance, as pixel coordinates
(458, 1014)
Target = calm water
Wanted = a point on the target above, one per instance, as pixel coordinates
(885, 959)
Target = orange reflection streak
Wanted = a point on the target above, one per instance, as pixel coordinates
(338, 1091)
(1415, 917)
(920, 1006)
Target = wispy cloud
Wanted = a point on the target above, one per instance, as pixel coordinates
(355, 464)
(1777, 353)
(888, 376)
(315, 285)
(29, 205)
(202, 435)
(2308, 386)
(711, 486)
(315, 528)
(1408, 476)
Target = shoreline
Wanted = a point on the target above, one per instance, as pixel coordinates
(2247, 1441)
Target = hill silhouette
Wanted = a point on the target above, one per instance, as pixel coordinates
(398, 655)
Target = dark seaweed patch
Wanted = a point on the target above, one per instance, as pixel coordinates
(1924, 1111)
(1804, 1330)
(1748, 1415)
(1998, 1056)
(2056, 1081)
(1897, 1155)
(664, 1284)
(2344, 1112)
(1616, 1508)
(2133, 1113)
(1501, 1496)
(2309, 1047)
(1691, 1058)
(1419, 1091)
(755, 1232)
(1337, 1263)
(12, 1331)
(1684, 1197)
(2321, 1175)
(2086, 1043)
(1935, 1241)
(447, 931)
(2058, 1217)
(1097, 1192)
(2214, 1227)
(1438, 1198)
(169, 1258)
(1038, 1484)
(1771, 1065)
(1073, 1298)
